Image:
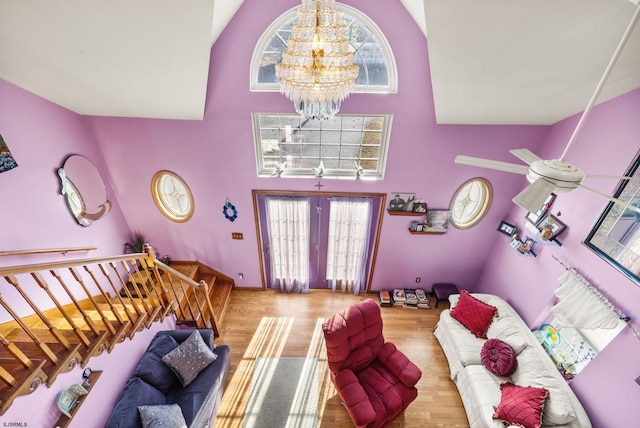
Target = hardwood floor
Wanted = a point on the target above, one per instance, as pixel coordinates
(270, 324)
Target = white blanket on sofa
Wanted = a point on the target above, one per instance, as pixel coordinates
(480, 389)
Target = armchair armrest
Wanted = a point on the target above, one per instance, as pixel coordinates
(354, 398)
(398, 363)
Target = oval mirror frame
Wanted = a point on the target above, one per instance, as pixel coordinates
(83, 190)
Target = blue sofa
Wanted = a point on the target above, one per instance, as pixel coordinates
(154, 383)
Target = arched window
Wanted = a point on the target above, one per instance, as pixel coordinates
(371, 51)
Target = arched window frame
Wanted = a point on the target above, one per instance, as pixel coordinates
(392, 84)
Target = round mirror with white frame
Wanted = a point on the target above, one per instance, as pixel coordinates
(83, 190)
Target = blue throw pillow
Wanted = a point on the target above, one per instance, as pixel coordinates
(151, 369)
(136, 393)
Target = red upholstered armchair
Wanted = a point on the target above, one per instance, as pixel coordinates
(374, 379)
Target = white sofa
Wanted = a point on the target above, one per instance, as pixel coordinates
(480, 389)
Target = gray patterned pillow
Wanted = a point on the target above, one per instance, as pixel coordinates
(189, 358)
(164, 416)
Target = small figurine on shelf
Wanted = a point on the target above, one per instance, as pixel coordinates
(85, 376)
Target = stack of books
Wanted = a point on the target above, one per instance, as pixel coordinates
(411, 298)
(423, 300)
(398, 296)
(385, 298)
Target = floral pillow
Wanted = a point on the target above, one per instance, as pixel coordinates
(474, 314)
(521, 406)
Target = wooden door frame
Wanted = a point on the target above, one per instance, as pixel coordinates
(383, 203)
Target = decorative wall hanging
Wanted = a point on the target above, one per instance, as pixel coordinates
(229, 210)
(7, 161)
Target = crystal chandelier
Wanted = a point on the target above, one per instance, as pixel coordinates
(317, 71)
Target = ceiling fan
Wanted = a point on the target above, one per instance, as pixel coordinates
(556, 175)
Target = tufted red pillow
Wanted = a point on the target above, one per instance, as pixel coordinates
(521, 405)
(474, 314)
(499, 357)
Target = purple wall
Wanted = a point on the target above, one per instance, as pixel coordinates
(607, 145)
(41, 136)
(216, 158)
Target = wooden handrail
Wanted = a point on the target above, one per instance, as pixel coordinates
(63, 251)
(68, 263)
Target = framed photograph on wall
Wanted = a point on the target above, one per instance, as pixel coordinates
(550, 226)
(535, 217)
(7, 161)
(401, 201)
(506, 228)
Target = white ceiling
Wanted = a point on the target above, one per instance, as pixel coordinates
(142, 58)
(524, 62)
(492, 61)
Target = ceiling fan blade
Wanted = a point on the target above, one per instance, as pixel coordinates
(492, 164)
(612, 199)
(525, 155)
(534, 195)
(615, 177)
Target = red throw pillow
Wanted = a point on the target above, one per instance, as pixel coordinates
(474, 314)
(521, 405)
(499, 357)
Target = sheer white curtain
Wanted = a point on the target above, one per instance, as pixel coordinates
(349, 224)
(288, 226)
(582, 306)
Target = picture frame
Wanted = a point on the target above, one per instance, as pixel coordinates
(557, 226)
(437, 221)
(507, 228)
(399, 201)
(527, 246)
(414, 226)
(535, 217)
(7, 160)
(420, 207)
(419, 228)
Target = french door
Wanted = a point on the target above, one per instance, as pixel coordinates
(341, 226)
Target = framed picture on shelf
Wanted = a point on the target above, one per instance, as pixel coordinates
(414, 226)
(506, 228)
(526, 246)
(535, 217)
(550, 227)
(437, 221)
(401, 201)
(419, 228)
(419, 206)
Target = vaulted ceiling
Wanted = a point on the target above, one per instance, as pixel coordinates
(492, 62)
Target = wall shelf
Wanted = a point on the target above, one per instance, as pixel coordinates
(64, 420)
(414, 232)
(393, 212)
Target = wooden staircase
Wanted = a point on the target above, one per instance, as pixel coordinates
(60, 315)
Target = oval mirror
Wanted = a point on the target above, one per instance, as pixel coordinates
(83, 189)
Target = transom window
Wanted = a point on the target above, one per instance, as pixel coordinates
(371, 52)
(347, 146)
